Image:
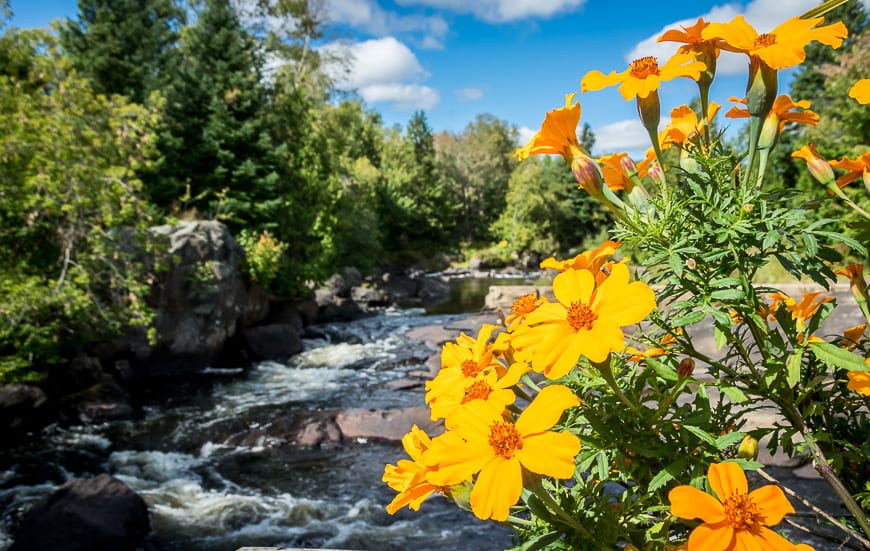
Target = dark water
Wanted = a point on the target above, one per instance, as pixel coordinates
(204, 494)
(469, 294)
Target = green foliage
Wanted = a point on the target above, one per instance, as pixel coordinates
(263, 256)
(68, 229)
(125, 47)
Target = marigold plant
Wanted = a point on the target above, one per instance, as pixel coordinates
(599, 417)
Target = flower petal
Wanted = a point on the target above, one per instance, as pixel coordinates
(498, 486)
(550, 453)
(727, 479)
(688, 502)
(573, 285)
(545, 409)
(745, 540)
(773, 504)
(712, 537)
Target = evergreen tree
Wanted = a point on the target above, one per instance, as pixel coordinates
(125, 47)
(218, 152)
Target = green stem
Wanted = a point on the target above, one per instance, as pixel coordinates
(607, 375)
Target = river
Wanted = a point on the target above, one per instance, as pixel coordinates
(206, 495)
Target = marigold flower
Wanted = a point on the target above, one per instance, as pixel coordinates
(855, 273)
(685, 125)
(586, 320)
(487, 386)
(818, 166)
(558, 133)
(592, 260)
(408, 477)
(858, 167)
(801, 311)
(521, 307)
(483, 441)
(613, 168)
(861, 91)
(462, 362)
(859, 381)
(853, 336)
(643, 75)
(692, 38)
(738, 519)
(780, 113)
(782, 47)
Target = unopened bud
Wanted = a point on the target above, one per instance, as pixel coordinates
(747, 207)
(587, 173)
(748, 448)
(687, 367)
(628, 165)
(818, 166)
(691, 263)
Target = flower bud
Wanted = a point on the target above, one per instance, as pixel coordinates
(819, 167)
(587, 173)
(687, 367)
(748, 448)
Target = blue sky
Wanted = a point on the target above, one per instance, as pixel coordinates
(514, 59)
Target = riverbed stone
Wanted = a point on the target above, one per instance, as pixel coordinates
(273, 341)
(385, 424)
(104, 401)
(23, 408)
(86, 514)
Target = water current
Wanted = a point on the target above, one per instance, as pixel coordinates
(204, 494)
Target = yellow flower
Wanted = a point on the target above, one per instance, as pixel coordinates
(780, 48)
(861, 91)
(408, 477)
(644, 75)
(613, 167)
(521, 307)
(558, 133)
(487, 386)
(801, 311)
(780, 113)
(739, 519)
(859, 381)
(685, 126)
(692, 37)
(586, 320)
(483, 441)
(818, 166)
(853, 335)
(592, 260)
(462, 363)
(858, 167)
(664, 347)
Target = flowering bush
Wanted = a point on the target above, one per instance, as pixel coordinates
(580, 437)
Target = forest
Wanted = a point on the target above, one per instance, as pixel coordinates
(146, 112)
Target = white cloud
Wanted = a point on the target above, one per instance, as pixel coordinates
(402, 97)
(525, 134)
(470, 94)
(382, 70)
(763, 15)
(628, 135)
(500, 11)
(368, 16)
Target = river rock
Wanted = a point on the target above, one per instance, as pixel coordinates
(385, 424)
(199, 300)
(85, 514)
(23, 408)
(274, 341)
(101, 402)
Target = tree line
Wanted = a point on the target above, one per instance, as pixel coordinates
(139, 113)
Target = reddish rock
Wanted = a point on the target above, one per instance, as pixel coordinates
(388, 424)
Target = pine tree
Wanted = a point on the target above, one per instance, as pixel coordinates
(218, 141)
(125, 47)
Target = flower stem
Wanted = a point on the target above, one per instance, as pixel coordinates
(607, 375)
(538, 489)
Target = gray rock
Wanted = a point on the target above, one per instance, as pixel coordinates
(86, 514)
(274, 341)
(23, 408)
(101, 402)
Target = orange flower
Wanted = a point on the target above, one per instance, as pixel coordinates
(859, 381)
(780, 113)
(408, 477)
(738, 519)
(644, 75)
(818, 166)
(861, 91)
(592, 260)
(483, 441)
(801, 311)
(685, 125)
(853, 335)
(859, 167)
(558, 133)
(855, 273)
(782, 47)
(586, 321)
(692, 37)
(521, 307)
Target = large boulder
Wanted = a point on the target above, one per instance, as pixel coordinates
(200, 299)
(23, 408)
(85, 514)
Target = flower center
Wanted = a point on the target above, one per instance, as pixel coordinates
(524, 305)
(505, 439)
(644, 67)
(470, 368)
(580, 316)
(765, 39)
(741, 512)
(478, 390)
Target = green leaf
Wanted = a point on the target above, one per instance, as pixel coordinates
(728, 440)
(838, 357)
(688, 319)
(793, 367)
(734, 394)
(664, 371)
(670, 472)
(700, 433)
(728, 294)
